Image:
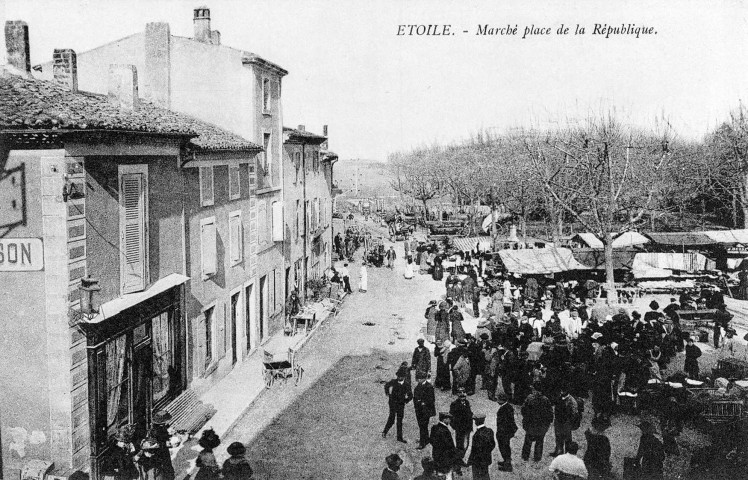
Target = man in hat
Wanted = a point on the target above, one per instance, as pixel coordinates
(483, 445)
(160, 432)
(462, 419)
(565, 412)
(421, 361)
(443, 448)
(236, 467)
(537, 416)
(461, 368)
(506, 427)
(391, 256)
(721, 320)
(569, 464)
(345, 274)
(399, 394)
(597, 454)
(693, 352)
(393, 462)
(149, 461)
(651, 453)
(424, 403)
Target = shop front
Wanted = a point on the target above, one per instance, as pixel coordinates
(136, 367)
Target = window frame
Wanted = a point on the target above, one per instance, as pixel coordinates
(268, 149)
(204, 202)
(210, 337)
(236, 214)
(238, 194)
(267, 96)
(208, 221)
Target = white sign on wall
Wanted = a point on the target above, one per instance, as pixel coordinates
(21, 254)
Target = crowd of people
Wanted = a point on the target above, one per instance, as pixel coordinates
(151, 459)
(545, 363)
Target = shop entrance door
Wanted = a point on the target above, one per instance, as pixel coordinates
(142, 371)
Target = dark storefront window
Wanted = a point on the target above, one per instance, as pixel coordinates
(117, 383)
(163, 356)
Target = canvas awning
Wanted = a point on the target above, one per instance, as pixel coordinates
(595, 259)
(466, 244)
(118, 305)
(626, 239)
(540, 261)
(684, 262)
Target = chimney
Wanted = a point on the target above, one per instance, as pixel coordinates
(17, 46)
(201, 21)
(215, 37)
(157, 76)
(65, 68)
(324, 130)
(123, 87)
(301, 128)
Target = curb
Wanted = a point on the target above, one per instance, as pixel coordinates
(301, 345)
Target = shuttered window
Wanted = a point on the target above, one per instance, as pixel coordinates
(234, 184)
(206, 186)
(316, 213)
(208, 247)
(236, 237)
(132, 230)
(208, 336)
(277, 219)
(262, 222)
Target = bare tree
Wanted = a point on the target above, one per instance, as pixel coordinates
(604, 174)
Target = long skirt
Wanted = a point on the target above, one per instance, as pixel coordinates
(442, 374)
(441, 331)
(431, 329)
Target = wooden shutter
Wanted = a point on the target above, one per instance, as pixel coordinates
(132, 196)
(221, 340)
(208, 247)
(206, 186)
(236, 238)
(277, 218)
(234, 184)
(262, 220)
(199, 354)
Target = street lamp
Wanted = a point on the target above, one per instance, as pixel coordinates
(89, 308)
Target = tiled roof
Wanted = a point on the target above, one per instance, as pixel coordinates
(303, 135)
(32, 104)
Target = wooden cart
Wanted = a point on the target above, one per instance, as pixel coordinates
(274, 369)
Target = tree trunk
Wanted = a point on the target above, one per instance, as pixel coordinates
(523, 226)
(609, 280)
(493, 225)
(744, 203)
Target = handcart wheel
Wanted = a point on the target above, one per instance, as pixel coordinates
(299, 372)
(269, 378)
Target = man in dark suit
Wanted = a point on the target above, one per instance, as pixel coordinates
(399, 394)
(443, 449)
(462, 419)
(424, 404)
(506, 427)
(483, 445)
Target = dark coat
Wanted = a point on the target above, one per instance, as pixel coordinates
(388, 474)
(483, 445)
(597, 454)
(505, 424)
(423, 400)
(236, 468)
(651, 453)
(566, 410)
(537, 414)
(443, 448)
(456, 318)
(399, 394)
(421, 360)
(462, 415)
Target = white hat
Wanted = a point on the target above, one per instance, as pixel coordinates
(597, 335)
(608, 318)
(613, 345)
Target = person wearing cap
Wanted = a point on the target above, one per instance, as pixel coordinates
(149, 462)
(462, 419)
(236, 467)
(506, 427)
(398, 393)
(393, 462)
(206, 460)
(160, 432)
(651, 453)
(597, 454)
(693, 353)
(421, 361)
(721, 321)
(443, 448)
(566, 410)
(428, 469)
(569, 464)
(537, 416)
(481, 452)
(424, 403)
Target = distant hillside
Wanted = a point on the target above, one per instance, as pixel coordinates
(370, 177)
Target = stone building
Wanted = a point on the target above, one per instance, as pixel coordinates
(110, 198)
(233, 89)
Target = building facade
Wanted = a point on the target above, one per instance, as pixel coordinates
(235, 90)
(308, 203)
(112, 192)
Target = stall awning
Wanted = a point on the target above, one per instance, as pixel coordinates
(650, 265)
(595, 259)
(467, 244)
(118, 305)
(626, 239)
(540, 261)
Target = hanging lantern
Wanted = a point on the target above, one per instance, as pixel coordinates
(89, 286)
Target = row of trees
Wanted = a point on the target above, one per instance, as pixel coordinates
(602, 174)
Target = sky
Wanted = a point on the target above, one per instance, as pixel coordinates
(381, 93)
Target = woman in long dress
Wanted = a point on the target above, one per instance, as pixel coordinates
(438, 268)
(364, 278)
(430, 315)
(559, 297)
(409, 269)
(442, 323)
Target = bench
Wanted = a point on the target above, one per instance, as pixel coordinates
(188, 413)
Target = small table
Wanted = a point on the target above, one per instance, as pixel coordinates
(306, 316)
